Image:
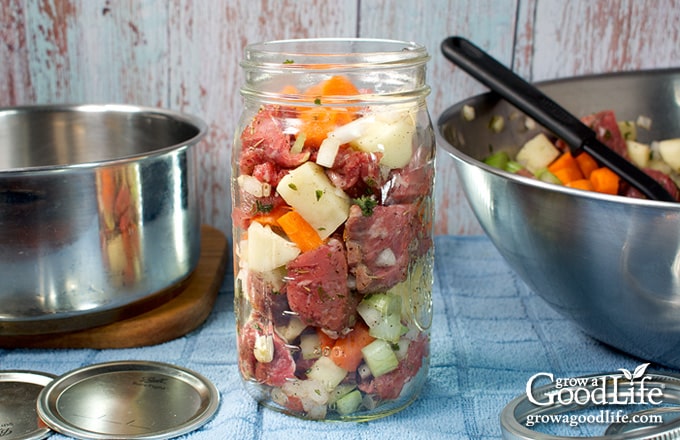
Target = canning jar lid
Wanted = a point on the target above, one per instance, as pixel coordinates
(19, 390)
(664, 425)
(128, 400)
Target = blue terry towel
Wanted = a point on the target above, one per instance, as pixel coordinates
(490, 334)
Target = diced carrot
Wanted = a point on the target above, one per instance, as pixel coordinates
(336, 85)
(565, 168)
(567, 175)
(317, 122)
(580, 184)
(289, 90)
(586, 164)
(299, 231)
(564, 160)
(325, 343)
(346, 353)
(270, 218)
(605, 181)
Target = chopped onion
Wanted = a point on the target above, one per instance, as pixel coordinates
(292, 330)
(327, 151)
(644, 122)
(386, 258)
(326, 373)
(264, 348)
(496, 123)
(352, 130)
(253, 186)
(469, 113)
(364, 371)
(529, 124)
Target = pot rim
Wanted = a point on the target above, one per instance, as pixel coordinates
(188, 119)
(449, 147)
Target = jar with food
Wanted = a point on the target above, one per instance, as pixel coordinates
(332, 190)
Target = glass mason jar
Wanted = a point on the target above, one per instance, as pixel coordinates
(332, 189)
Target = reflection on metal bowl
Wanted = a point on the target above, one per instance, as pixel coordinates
(611, 264)
(98, 213)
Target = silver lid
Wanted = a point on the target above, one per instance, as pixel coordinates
(19, 392)
(610, 389)
(128, 400)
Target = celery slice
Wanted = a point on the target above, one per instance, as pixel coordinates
(340, 391)
(382, 313)
(384, 303)
(348, 403)
(498, 160)
(513, 166)
(546, 176)
(375, 307)
(388, 328)
(379, 357)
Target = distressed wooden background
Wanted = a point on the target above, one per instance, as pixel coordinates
(184, 55)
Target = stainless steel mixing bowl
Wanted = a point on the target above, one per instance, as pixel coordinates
(98, 213)
(611, 264)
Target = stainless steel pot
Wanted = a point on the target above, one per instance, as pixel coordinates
(609, 263)
(98, 213)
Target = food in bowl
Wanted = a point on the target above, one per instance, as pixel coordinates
(549, 159)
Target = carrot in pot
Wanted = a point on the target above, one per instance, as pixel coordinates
(565, 168)
(605, 181)
(567, 175)
(299, 231)
(346, 353)
(580, 184)
(586, 164)
(564, 160)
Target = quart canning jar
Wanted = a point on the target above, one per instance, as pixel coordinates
(332, 189)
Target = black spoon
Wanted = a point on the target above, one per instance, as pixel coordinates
(548, 113)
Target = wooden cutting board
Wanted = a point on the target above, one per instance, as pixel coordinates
(178, 316)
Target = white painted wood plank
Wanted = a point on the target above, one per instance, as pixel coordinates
(207, 40)
(15, 82)
(582, 37)
(184, 54)
(489, 24)
(84, 52)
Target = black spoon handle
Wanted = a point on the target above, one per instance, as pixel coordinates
(547, 112)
